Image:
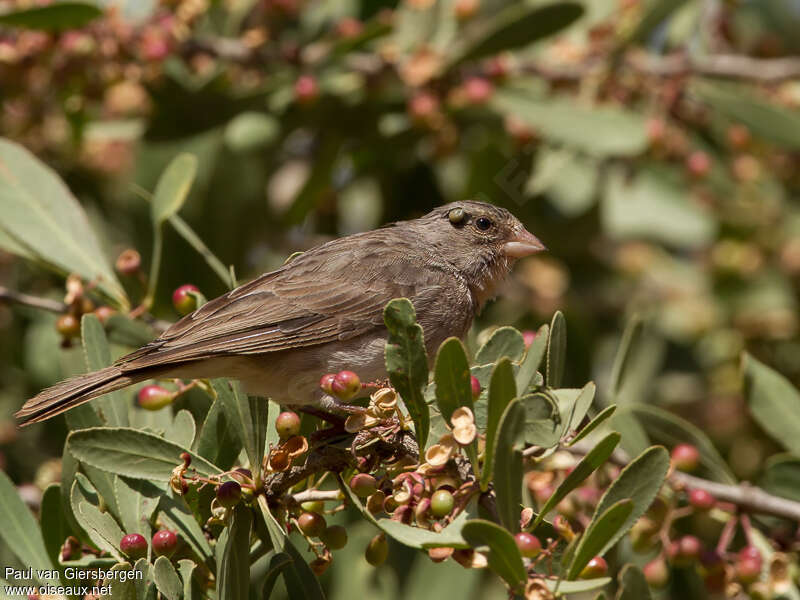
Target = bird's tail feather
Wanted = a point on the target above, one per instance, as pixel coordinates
(73, 392)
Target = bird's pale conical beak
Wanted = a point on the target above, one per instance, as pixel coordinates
(524, 243)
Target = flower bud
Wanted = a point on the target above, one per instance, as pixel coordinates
(656, 572)
(164, 543)
(154, 397)
(698, 163)
(306, 89)
(183, 298)
(134, 546)
(71, 549)
(104, 313)
(375, 502)
(438, 555)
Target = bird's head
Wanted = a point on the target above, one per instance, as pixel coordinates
(480, 240)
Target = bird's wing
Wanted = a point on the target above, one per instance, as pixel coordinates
(334, 293)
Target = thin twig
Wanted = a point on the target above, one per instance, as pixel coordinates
(14, 297)
(315, 495)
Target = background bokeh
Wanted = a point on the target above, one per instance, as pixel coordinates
(652, 145)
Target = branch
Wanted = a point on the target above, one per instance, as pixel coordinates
(13, 297)
(745, 496)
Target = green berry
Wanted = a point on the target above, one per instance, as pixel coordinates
(442, 503)
(334, 537)
(377, 550)
(311, 524)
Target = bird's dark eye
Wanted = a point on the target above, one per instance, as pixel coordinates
(483, 223)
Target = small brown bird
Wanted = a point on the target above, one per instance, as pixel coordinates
(322, 312)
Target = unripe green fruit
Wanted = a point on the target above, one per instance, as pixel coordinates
(597, 567)
(377, 550)
(442, 503)
(529, 545)
(229, 494)
(287, 424)
(363, 485)
(164, 543)
(68, 326)
(334, 537)
(312, 524)
(134, 545)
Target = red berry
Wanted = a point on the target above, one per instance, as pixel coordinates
(134, 545)
(597, 567)
(306, 89)
(442, 503)
(312, 524)
(476, 387)
(363, 485)
(345, 385)
(287, 424)
(164, 543)
(229, 494)
(685, 457)
(701, 499)
(478, 90)
(656, 573)
(377, 550)
(698, 163)
(529, 545)
(68, 326)
(423, 106)
(154, 397)
(334, 537)
(685, 550)
(326, 383)
(748, 564)
(183, 300)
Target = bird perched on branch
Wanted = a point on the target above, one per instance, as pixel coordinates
(322, 312)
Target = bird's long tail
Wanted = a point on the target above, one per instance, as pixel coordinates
(73, 392)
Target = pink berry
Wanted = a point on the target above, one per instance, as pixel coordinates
(306, 89)
(478, 90)
(287, 424)
(529, 545)
(701, 499)
(164, 543)
(326, 383)
(476, 387)
(698, 163)
(345, 385)
(134, 545)
(363, 485)
(183, 300)
(656, 572)
(597, 567)
(748, 564)
(154, 397)
(685, 457)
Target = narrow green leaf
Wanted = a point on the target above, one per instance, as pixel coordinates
(452, 376)
(781, 476)
(128, 332)
(233, 560)
(111, 408)
(508, 464)
(600, 531)
(188, 234)
(132, 453)
(264, 573)
(137, 500)
(556, 350)
(69, 468)
(166, 579)
(596, 457)
(175, 514)
(191, 590)
(504, 557)
(237, 410)
(103, 482)
(773, 402)
(633, 585)
(639, 481)
(182, 430)
(630, 338)
(54, 526)
(218, 440)
(573, 407)
(173, 187)
(20, 531)
(654, 13)
(41, 215)
(504, 342)
(593, 424)
(533, 358)
(664, 427)
(576, 587)
(100, 526)
(52, 17)
(502, 390)
(407, 362)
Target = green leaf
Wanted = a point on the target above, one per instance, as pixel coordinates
(504, 557)
(101, 527)
(633, 585)
(191, 589)
(111, 408)
(174, 513)
(516, 26)
(166, 579)
(598, 131)
(233, 557)
(301, 583)
(218, 440)
(773, 402)
(766, 119)
(246, 415)
(593, 424)
(182, 429)
(69, 468)
(20, 531)
(137, 500)
(507, 465)
(52, 17)
(573, 405)
(250, 131)
(781, 476)
(556, 350)
(576, 587)
(601, 530)
(264, 573)
(122, 589)
(596, 457)
(533, 358)
(504, 342)
(103, 482)
(407, 362)
(173, 187)
(452, 376)
(543, 425)
(54, 526)
(664, 427)
(502, 390)
(653, 15)
(630, 338)
(127, 332)
(639, 481)
(132, 453)
(41, 215)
